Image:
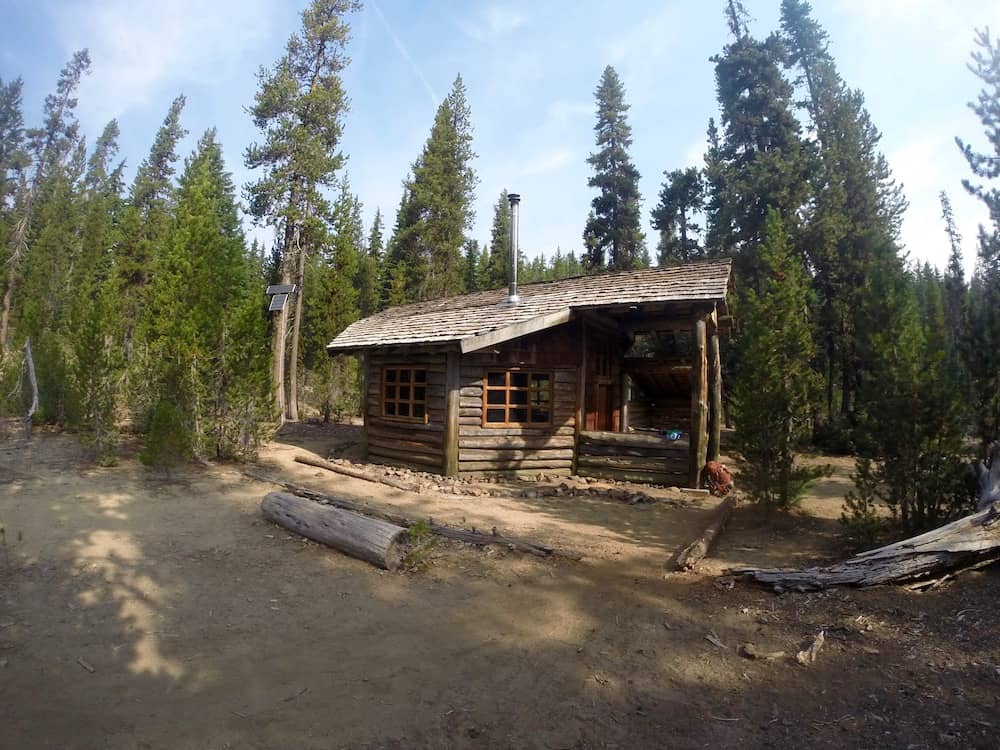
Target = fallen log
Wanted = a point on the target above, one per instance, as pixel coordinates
(448, 532)
(921, 561)
(372, 540)
(319, 463)
(686, 557)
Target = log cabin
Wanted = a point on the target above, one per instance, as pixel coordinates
(591, 376)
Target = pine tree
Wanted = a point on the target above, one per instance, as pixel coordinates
(775, 386)
(299, 108)
(759, 165)
(498, 257)
(472, 262)
(436, 209)
(95, 356)
(984, 298)
(14, 159)
(612, 236)
(145, 228)
(48, 147)
(332, 304)
(910, 409)
(852, 216)
(210, 379)
(369, 281)
(681, 197)
(955, 289)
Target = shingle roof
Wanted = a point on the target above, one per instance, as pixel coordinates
(472, 316)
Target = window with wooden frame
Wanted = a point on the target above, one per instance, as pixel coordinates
(517, 397)
(404, 393)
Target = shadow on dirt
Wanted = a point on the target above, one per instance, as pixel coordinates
(138, 614)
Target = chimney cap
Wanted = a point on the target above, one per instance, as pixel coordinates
(513, 198)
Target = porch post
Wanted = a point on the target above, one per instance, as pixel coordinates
(453, 387)
(581, 394)
(626, 391)
(715, 392)
(699, 403)
(366, 384)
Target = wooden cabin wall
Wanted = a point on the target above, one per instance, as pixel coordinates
(521, 450)
(396, 442)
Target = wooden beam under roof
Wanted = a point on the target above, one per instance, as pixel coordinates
(514, 331)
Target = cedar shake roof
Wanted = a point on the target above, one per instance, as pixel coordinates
(487, 318)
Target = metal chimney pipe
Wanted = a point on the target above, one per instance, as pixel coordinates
(514, 199)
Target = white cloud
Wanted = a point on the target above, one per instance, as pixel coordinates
(140, 47)
(694, 155)
(925, 165)
(492, 23)
(945, 28)
(648, 40)
(546, 161)
(562, 111)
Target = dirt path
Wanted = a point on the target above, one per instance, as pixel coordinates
(206, 627)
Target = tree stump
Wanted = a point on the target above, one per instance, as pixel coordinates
(378, 542)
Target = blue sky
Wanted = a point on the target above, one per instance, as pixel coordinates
(530, 70)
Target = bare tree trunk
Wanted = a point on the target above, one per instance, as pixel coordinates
(29, 364)
(293, 375)
(19, 243)
(279, 334)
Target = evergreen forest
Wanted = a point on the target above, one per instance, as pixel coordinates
(143, 303)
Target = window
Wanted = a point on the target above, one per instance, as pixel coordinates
(404, 393)
(517, 397)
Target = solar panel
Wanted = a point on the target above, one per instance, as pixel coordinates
(281, 289)
(277, 302)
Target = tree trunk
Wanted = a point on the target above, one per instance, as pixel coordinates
(686, 557)
(13, 264)
(377, 542)
(921, 561)
(293, 375)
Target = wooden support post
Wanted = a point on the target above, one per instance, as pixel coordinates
(366, 380)
(453, 388)
(581, 394)
(715, 396)
(626, 392)
(699, 403)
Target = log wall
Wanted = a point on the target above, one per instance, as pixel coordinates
(520, 450)
(633, 457)
(413, 445)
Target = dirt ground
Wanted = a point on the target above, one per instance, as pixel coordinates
(143, 611)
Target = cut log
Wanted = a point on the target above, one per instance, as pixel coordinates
(377, 542)
(921, 561)
(319, 463)
(686, 557)
(449, 532)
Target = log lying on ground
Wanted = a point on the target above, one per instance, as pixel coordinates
(369, 539)
(921, 561)
(449, 532)
(686, 557)
(358, 473)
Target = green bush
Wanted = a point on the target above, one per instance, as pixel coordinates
(168, 442)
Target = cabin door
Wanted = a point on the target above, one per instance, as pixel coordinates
(605, 407)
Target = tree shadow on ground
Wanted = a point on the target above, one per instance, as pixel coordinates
(207, 627)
